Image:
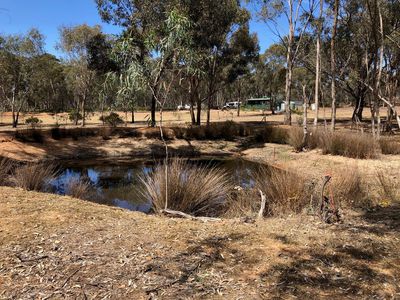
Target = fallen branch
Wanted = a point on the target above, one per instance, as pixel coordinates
(263, 203)
(187, 216)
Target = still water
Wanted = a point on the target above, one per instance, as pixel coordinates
(117, 183)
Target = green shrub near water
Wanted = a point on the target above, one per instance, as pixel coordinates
(33, 121)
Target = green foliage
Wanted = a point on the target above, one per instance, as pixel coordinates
(33, 121)
(75, 115)
(113, 119)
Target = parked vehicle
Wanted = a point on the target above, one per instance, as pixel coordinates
(231, 105)
(184, 107)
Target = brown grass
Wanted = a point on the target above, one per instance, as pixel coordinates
(388, 187)
(389, 146)
(286, 191)
(197, 190)
(6, 167)
(34, 176)
(296, 138)
(79, 188)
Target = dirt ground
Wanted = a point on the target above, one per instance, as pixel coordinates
(175, 117)
(54, 247)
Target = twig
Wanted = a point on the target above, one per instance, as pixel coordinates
(187, 216)
(70, 276)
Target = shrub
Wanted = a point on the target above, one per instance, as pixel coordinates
(196, 190)
(389, 146)
(34, 176)
(33, 121)
(113, 119)
(6, 167)
(75, 115)
(286, 191)
(79, 188)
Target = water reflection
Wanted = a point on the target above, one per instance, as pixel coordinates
(118, 184)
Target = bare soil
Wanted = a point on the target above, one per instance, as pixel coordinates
(54, 247)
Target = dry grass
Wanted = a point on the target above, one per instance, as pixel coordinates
(6, 167)
(197, 190)
(348, 188)
(296, 138)
(34, 176)
(286, 191)
(272, 134)
(389, 146)
(243, 202)
(389, 189)
(79, 188)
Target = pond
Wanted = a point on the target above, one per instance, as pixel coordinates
(117, 183)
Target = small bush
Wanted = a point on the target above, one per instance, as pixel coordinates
(196, 190)
(34, 176)
(75, 115)
(33, 121)
(286, 191)
(154, 133)
(79, 188)
(113, 119)
(6, 167)
(389, 146)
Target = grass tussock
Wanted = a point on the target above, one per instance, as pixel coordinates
(242, 202)
(296, 138)
(286, 191)
(347, 188)
(6, 167)
(389, 146)
(196, 190)
(272, 134)
(79, 188)
(34, 176)
(388, 188)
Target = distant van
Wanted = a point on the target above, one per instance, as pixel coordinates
(231, 105)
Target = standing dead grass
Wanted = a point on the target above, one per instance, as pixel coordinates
(6, 167)
(193, 189)
(286, 191)
(34, 176)
(79, 188)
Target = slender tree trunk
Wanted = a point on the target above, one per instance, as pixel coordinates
(305, 131)
(289, 68)
(83, 111)
(317, 63)
(333, 64)
(198, 121)
(133, 116)
(153, 111)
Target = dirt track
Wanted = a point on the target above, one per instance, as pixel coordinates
(53, 247)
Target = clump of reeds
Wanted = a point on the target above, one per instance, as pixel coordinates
(6, 167)
(193, 189)
(296, 138)
(272, 134)
(388, 188)
(389, 146)
(286, 191)
(79, 188)
(347, 187)
(34, 176)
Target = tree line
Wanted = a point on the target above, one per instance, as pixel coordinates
(329, 53)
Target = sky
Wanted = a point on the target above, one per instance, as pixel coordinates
(18, 16)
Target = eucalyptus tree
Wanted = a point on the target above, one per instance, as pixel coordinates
(16, 69)
(74, 43)
(297, 14)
